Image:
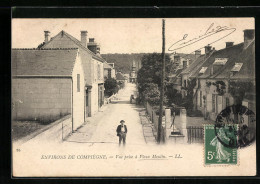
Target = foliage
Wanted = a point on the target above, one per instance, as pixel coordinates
(149, 76)
(152, 94)
(111, 87)
(188, 99)
(174, 96)
(220, 87)
(121, 84)
(238, 89)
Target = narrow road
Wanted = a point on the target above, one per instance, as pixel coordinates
(102, 127)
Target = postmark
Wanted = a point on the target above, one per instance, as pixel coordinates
(234, 128)
(231, 116)
(215, 152)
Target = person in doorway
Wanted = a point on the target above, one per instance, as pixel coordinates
(121, 132)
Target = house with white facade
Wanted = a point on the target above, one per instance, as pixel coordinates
(48, 84)
(92, 66)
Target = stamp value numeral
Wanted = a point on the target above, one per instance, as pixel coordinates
(210, 155)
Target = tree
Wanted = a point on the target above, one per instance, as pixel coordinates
(121, 84)
(149, 76)
(188, 99)
(173, 95)
(110, 87)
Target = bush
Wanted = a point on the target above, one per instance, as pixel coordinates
(110, 87)
(121, 85)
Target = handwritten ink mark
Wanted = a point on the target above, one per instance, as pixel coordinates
(209, 32)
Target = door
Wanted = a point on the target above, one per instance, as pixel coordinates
(86, 103)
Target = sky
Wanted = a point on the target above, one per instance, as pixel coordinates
(142, 35)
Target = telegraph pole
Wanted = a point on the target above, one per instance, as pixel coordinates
(159, 135)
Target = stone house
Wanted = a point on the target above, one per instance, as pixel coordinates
(92, 66)
(48, 84)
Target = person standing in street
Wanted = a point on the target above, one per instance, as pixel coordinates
(121, 132)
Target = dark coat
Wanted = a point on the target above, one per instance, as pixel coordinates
(118, 130)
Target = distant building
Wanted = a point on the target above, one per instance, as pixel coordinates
(126, 75)
(133, 75)
(120, 77)
(109, 71)
(48, 84)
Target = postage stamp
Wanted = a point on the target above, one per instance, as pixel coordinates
(215, 151)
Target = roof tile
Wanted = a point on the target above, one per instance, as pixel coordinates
(43, 62)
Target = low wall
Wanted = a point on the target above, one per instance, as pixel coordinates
(154, 118)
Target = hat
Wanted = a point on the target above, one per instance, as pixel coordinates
(122, 121)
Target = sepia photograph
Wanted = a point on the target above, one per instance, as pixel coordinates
(124, 97)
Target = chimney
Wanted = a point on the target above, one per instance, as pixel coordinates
(185, 64)
(197, 53)
(91, 40)
(249, 35)
(46, 35)
(84, 38)
(229, 44)
(177, 59)
(92, 45)
(98, 50)
(207, 49)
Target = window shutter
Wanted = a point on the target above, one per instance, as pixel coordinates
(78, 82)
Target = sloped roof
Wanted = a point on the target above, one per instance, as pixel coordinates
(247, 71)
(107, 65)
(194, 69)
(43, 62)
(231, 53)
(119, 76)
(194, 64)
(77, 42)
(191, 57)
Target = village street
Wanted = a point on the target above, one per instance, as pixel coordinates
(93, 149)
(101, 128)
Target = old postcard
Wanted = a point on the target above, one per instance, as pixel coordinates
(133, 97)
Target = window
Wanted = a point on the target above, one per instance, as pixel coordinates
(220, 61)
(109, 73)
(237, 67)
(200, 98)
(185, 83)
(98, 72)
(87, 98)
(202, 70)
(213, 103)
(227, 101)
(78, 82)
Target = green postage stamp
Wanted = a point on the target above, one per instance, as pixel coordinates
(219, 144)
